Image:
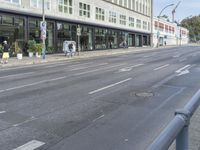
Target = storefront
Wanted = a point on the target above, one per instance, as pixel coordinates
(12, 29)
(19, 28)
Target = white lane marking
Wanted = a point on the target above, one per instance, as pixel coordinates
(183, 72)
(176, 56)
(149, 56)
(15, 75)
(95, 70)
(184, 59)
(2, 112)
(102, 64)
(98, 118)
(179, 70)
(34, 144)
(161, 67)
(68, 65)
(26, 121)
(109, 86)
(32, 84)
(130, 68)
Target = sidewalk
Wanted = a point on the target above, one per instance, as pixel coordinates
(61, 57)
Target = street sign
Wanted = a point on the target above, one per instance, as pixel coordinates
(78, 31)
(43, 28)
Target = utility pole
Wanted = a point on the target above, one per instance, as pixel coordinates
(43, 31)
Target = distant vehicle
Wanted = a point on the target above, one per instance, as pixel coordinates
(69, 48)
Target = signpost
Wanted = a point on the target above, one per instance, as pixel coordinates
(43, 28)
(79, 34)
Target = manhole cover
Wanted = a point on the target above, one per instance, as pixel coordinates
(144, 94)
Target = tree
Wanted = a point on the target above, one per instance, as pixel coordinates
(193, 25)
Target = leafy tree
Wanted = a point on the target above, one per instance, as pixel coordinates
(193, 25)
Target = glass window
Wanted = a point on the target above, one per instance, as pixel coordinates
(100, 14)
(138, 23)
(112, 17)
(65, 6)
(131, 22)
(84, 10)
(122, 19)
(144, 25)
(7, 20)
(13, 1)
(38, 4)
(100, 38)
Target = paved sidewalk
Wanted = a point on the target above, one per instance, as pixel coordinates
(60, 57)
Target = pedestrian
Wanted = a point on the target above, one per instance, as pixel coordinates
(5, 56)
(165, 43)
(70, 46)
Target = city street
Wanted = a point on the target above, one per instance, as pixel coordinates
(119, 102)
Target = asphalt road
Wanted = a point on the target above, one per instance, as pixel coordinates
(107, 103)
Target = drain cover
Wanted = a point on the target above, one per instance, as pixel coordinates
(144, 94)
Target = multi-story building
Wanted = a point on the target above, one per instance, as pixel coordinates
(104, 23)
(168, 33)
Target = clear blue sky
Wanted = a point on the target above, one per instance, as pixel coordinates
(185, 9)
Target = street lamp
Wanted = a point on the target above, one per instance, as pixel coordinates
(43, 31)
(158, 33)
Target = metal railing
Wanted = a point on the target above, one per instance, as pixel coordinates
(177, 128)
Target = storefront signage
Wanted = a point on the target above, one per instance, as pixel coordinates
(78, 31)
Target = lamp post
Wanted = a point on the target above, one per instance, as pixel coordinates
(43, 31)
(158, 33)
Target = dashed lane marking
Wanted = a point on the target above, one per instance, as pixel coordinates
(32, 145)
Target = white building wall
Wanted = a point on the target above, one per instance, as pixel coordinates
(175, 37)
(107, 6)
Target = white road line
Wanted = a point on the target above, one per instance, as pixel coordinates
(109, 86)
(34, 144)
(26, 121)
(102, 64)
(98, 118)
(126, 69)
(179, 70)
(184, 59)
(32, 84)
(2, 112)
(161, 67)
(95, 70)
(15, 75)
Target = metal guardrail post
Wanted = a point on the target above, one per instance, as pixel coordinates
(177, 128)
(182, 138)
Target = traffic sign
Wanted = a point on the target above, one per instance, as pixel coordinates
(43, 28)
(78, 31)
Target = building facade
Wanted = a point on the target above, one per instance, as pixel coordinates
(168, 33)
(104, 23)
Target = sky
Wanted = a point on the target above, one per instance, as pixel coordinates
(187, 8)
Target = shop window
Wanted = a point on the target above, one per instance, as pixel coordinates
(84, 10)
(7, 20)
(65, 6)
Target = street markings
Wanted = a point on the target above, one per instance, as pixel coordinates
(161, 67)
(127, 69)
(32, 84)
(26, 121)
(98, 118)
(2, 112)
(181, 69)
(32, 145)
(15, 75)
(80, 68)
(109, 86)
(95, 70)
